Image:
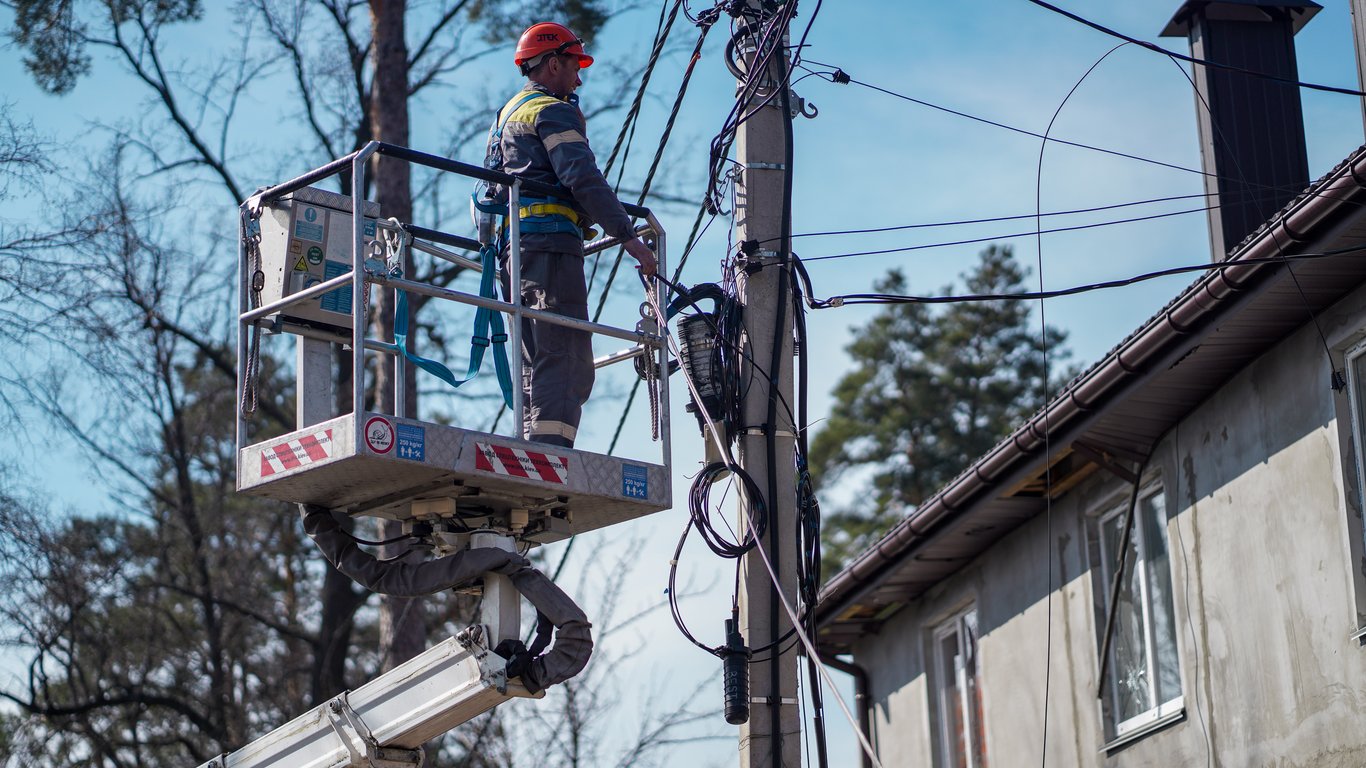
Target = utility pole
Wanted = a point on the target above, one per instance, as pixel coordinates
(772, 736)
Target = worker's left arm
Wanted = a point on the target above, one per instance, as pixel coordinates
(561, 129)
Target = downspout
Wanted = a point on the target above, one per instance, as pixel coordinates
(861, 700)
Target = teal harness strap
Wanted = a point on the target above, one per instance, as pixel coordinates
(483, 319)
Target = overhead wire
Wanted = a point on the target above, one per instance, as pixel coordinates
(659, 152)
(893, 298)
(627, 134)
(990, 238)
(1045, 387)
(1191, 59)
(839, 76)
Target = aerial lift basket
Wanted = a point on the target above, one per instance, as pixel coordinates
(306, 268)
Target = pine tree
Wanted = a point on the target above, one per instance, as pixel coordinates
(930, 392)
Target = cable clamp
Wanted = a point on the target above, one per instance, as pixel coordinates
(769, 700)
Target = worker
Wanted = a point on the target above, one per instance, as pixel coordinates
(540, 135)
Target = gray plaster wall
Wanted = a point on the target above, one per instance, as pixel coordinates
(1266, 566)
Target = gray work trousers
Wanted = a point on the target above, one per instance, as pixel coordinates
(557, 362)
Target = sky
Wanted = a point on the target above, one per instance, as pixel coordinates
(867, 159)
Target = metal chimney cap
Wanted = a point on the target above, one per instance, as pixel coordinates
(1239, 10)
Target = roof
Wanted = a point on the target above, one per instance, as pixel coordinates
(1121, 406)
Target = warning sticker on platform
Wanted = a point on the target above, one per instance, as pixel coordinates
(412, 442)
(516, 462)
(296, 453)
(379, 434)
(635, 481)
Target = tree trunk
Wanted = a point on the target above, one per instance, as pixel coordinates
(402, 629)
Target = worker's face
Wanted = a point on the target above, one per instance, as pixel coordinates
(564, 74)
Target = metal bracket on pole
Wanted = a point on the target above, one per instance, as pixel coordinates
(757, 260)
(360, 744)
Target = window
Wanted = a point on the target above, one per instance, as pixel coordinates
(1142, 682)
(958, 704)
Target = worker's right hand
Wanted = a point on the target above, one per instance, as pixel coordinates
(642, 253)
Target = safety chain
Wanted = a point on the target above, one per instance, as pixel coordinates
(646, 365)
(251, 226)
(652, 385)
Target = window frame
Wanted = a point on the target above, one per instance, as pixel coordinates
(974, 727)
(1356, 414)
(1157, 713)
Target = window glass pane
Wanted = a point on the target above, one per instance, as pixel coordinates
(1128, 672)
(974, 691)
(1357, 371)
(1153, 513)
(1358, 381)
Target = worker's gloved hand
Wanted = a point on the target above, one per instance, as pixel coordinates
(642, 253)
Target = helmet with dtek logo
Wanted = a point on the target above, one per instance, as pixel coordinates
(548, 37)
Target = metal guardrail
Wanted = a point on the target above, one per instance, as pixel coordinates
(429, 241)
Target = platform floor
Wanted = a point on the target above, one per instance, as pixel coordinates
(397, 462)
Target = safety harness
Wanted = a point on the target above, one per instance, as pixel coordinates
(540, 215)
(534, 214)
(485, 320)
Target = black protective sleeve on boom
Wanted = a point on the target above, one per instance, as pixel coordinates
(573, 636)
(402, 579)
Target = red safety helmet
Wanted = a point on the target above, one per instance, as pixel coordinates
(549, 37)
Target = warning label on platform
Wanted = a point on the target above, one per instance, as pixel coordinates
(379, 434)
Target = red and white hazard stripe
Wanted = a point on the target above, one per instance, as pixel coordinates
(515, 462)
(296, 453)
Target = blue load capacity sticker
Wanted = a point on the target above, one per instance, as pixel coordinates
(412, 442)
(635, 481)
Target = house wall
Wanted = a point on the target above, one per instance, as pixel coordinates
(1265, 562)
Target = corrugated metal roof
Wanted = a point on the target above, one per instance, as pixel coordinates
(1123, 404)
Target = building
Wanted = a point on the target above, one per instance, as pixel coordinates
(1217, 446)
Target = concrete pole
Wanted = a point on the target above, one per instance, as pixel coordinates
(772, 737)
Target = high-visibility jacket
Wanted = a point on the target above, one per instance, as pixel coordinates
(543, 139)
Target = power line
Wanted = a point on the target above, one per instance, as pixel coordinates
(839, 76)
(706, 24)
(997, 219)
(892, 298)
(973, 240)
(1203, 62)
(842, 77)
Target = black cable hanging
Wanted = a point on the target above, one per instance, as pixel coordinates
(1203, 62)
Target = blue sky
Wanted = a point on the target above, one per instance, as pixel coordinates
(867, 160)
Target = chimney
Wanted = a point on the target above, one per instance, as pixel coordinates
(1251, 128)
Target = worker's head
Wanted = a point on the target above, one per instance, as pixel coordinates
(551, 55)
